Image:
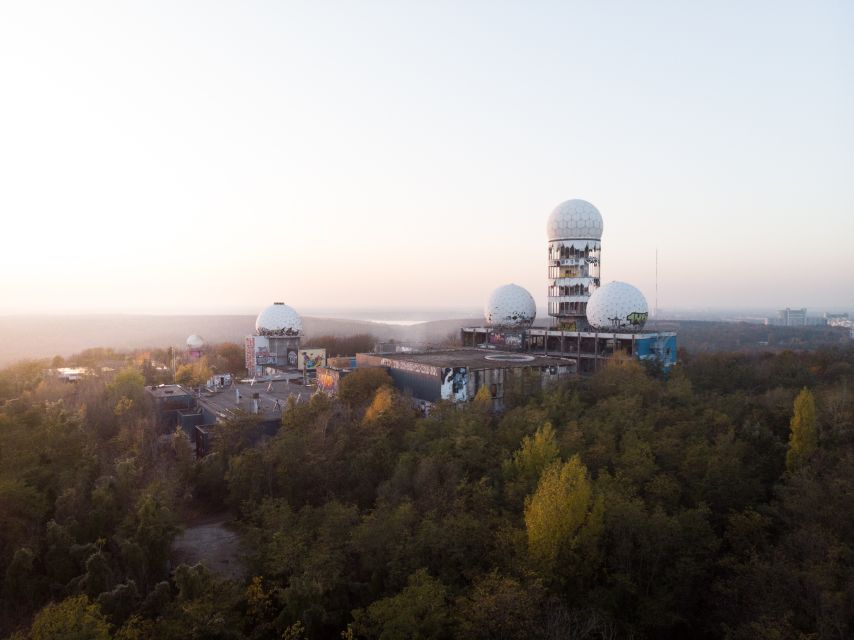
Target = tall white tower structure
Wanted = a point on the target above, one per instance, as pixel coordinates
(575, 233)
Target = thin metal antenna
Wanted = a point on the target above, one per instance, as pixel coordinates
(656, 285)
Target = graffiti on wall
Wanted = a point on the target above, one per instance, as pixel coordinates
(637, 318)
(263, 356)
(454, 384)
(310, 359)
(634, 319)
(413, 367)
(511, 340)
(249, 353)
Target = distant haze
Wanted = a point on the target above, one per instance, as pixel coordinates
(27, 337)
(168, 157)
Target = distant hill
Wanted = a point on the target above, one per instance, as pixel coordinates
(24, 337)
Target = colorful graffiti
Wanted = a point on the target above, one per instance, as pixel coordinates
(454, 384)
(310, 359)
(637, 318)
(634, 319)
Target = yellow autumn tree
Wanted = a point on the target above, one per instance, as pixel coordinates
(563, 517)
(381, 405)
(803, 434)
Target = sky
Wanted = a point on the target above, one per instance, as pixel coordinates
(213, 157)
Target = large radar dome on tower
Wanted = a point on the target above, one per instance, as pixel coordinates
(575, 219)
(278, 320)
(574, 229)
(617, 305)
(510, 307)
(195, 342)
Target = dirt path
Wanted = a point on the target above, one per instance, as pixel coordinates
(211, 541)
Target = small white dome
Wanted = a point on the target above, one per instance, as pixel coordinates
(574, 219)
(617, 306)
(195, 342)
(278, 320)
(511, 307)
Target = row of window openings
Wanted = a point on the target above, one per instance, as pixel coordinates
(573, 272)
(564, 252)
(567, 308)
(573, 290)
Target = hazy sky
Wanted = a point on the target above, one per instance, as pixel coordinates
(204, 157)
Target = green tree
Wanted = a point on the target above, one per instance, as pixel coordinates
(152, 526)
(803, 435)
(419, 612)
(72, 619)
(229, 357)
(359, 386)
(128, 383)
(19, 584)
(194, 374)
(500, 607)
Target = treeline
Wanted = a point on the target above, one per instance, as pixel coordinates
(343, 345)
(697, 336)
(716, 503)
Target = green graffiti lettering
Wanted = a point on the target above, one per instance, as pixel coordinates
(636, 318)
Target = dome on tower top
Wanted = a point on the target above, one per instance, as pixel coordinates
(511, 307)
(574, 219)
(616, 306)
(195, 342)
(278, 320)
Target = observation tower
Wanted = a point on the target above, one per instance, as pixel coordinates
(574, 230)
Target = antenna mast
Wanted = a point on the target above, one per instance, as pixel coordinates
(656, 285)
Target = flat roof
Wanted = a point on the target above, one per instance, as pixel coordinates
(168, 391)
(475, 358)
(225, 403)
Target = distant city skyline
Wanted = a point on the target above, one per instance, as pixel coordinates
(184, 158)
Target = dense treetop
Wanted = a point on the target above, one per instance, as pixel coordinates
(715, 503)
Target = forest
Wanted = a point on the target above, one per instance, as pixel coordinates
(715, 502)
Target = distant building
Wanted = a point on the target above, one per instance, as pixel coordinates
(793, 317)
(71, 374)
(264, 402)
(195, 348)
(219, 381)
(840, 320)
(833, 319)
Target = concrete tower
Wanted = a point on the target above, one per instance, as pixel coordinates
(575, 233)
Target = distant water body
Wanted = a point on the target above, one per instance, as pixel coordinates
(400, 323)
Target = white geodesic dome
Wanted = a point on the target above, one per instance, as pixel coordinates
(278, 320)
(195, 342)
(574, 219)
(511, 307)
(617, 306)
